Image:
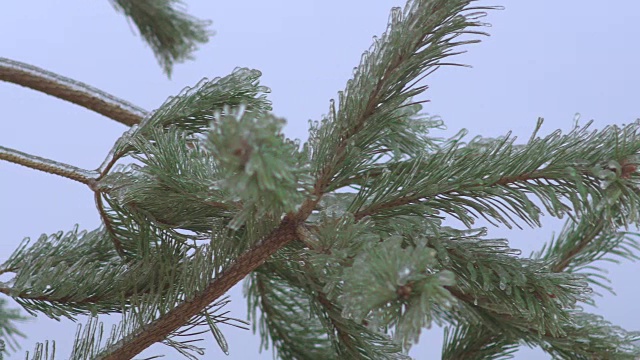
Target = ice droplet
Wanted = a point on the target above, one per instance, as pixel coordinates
(404, 271)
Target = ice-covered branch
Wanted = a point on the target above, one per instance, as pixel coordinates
(49, 166)
(70, 90)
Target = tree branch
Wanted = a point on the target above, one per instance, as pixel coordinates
(49, 166)
(70, 90)
(158, 330)
(561, 264)
(558, 265)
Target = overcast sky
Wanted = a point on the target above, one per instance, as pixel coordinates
(544, 58)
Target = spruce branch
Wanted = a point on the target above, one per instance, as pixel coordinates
(212, 161)
(72, 273)
(581, 242)
(491, 177)
(486, 329)
(355, 340)
(159, 329)
(106, 221)
(86, 177)
(171, 33)
(296, 310)
(279, 303)
(9, 333)
(374, 103)
(70, 90)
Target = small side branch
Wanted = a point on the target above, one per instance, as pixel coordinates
(49, 166)
(108, 226)
(70, 90)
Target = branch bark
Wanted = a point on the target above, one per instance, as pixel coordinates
(70, 90)
(86, 177)
(158, 330)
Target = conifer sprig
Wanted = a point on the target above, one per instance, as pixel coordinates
(371, 112)
(591, 236)
(172, 34)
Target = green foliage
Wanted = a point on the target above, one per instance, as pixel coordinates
(302, 322)
(374, 113)
(467, 343)
(9, 332)
(263, 168)
(383, 282)
(171, 33)
(57, 273)
(209, 177)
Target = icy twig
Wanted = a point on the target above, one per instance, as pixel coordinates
(70, 90)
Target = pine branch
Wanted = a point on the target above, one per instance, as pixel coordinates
(398, 73)
(415, 44)
(158, 330)
(171, 33)
(297, 314)
(493, 177)
(49, 166)
(580, 243)
(70, 90)
(562, 263)
(8, 331)
(280, 305)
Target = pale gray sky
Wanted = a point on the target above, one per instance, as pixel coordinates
(544, 58)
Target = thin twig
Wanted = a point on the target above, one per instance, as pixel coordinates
(70, 90)
(108, 226)
(49, 166)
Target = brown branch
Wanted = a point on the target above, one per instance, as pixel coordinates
(49, 166)
(70, 90)
(158, 330)
(564, 262)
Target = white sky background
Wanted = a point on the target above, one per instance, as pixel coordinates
(544, 58)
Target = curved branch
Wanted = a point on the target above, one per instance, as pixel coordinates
(70, 90)
(49, 166)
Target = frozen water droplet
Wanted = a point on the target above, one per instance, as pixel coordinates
(503, 285)
(475, 302)
(405, 271)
